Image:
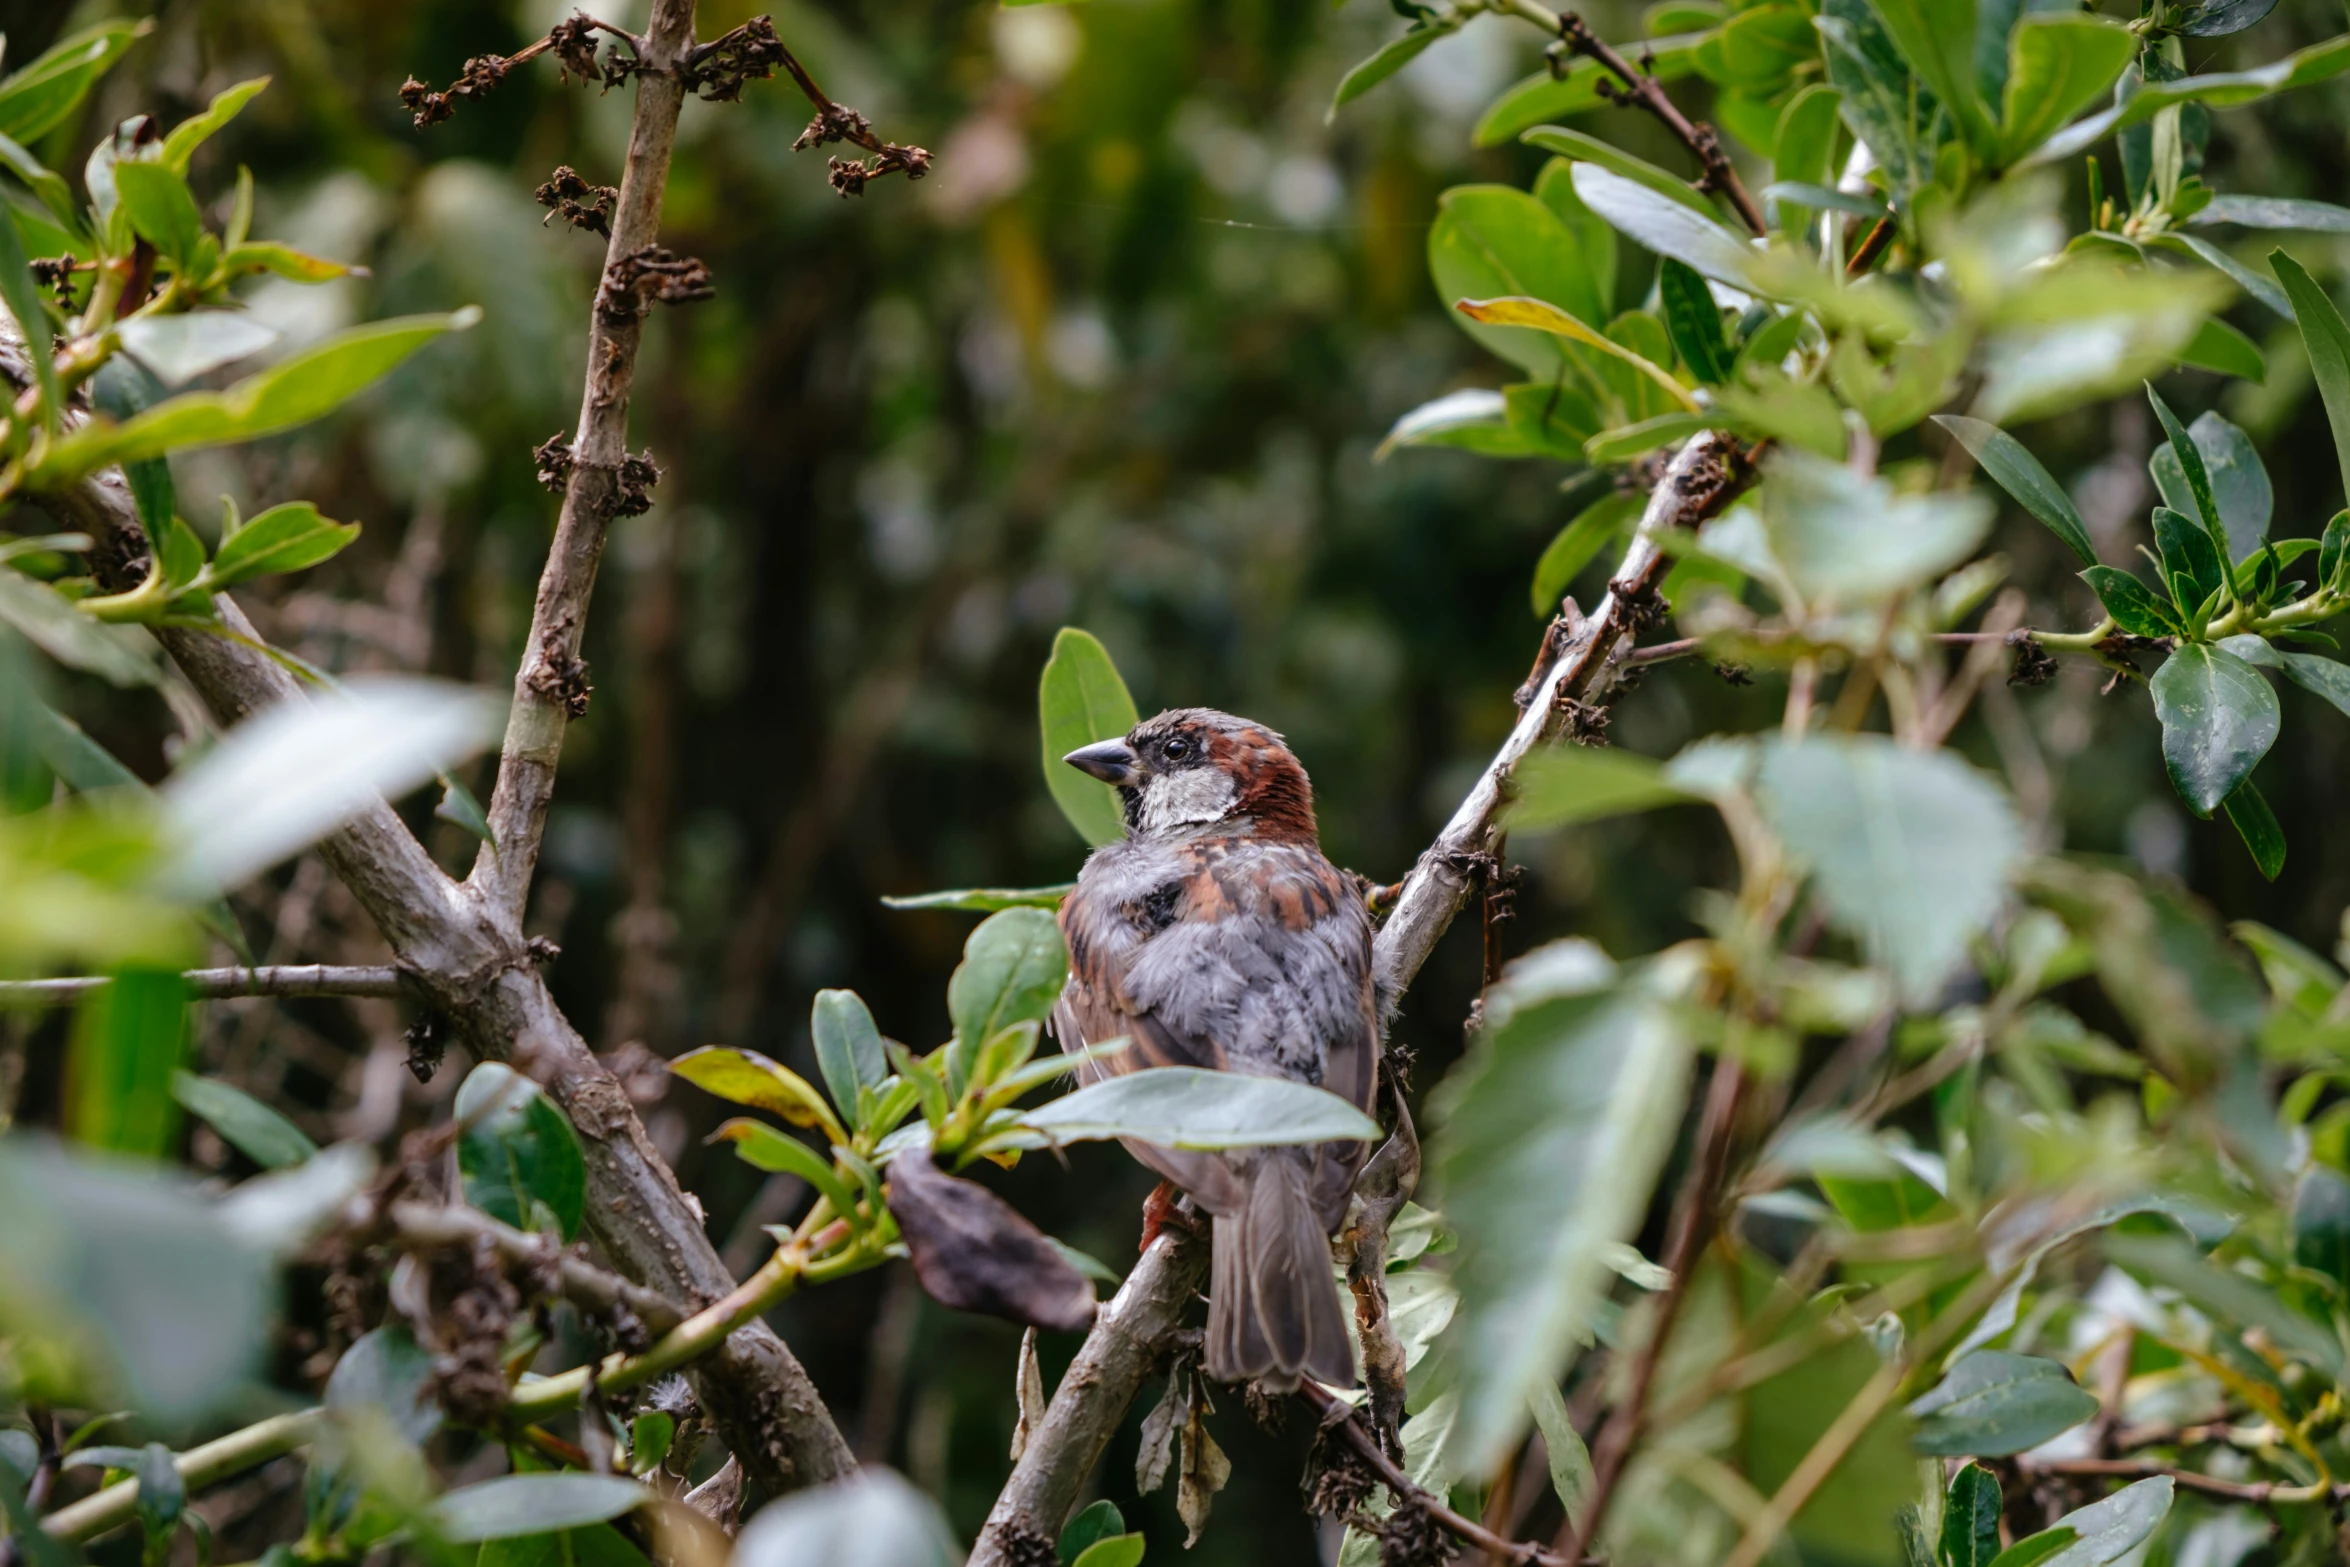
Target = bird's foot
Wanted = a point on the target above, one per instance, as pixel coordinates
(1159, 1212)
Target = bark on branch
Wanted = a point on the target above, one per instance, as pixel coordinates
(216, 984)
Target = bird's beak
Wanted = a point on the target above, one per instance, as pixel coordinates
(1112, 761)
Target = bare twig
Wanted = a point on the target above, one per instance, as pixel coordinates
(549, 686)
(583, 1283)
(1579, 661)
(1638, 87)
(1519, 1553)
(1387, 1182)
(1692, 1224)
(214, 984)
(1871, 247)
(2258, 1492)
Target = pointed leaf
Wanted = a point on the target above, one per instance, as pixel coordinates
(1194, 1108)
(1577, 543)
(1474, 419)
(1543, 316)
(2257, 825)
(763, 1147)
(2327, 337)
(254, 1129)
(2218, 720)
(37, 99)
(515, 1505)
(985, 900)
(745, 1077)
(1391, 57)
(2020, 474)
(1695, 322)
(194, 131)
(1992, 1404)
(1970, 1518)
(1081, 699)
(2190, 459)
(1666, 226)
(2057, 66)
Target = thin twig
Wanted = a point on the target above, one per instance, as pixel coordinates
(1521, 1553)
(583, 1283)
(1871, 247)
(1661, 652)
(1692, 1224)
(2258, 1492)
(216, 984)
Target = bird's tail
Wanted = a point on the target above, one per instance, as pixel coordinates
(1273, 1305)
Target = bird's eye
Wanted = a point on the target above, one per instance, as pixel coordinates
(1177, 750)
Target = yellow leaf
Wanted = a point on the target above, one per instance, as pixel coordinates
(1543, 316)
(749, 1078)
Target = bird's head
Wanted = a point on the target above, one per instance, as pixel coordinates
(1192, 768)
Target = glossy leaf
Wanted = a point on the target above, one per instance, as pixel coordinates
(22, 295)
(294, 392)
(521, 1504)
(2189, 456)
(1564, 784)
(517, 1155)
(2187, 558)
(37, 99)
(984, 900)
(2321, 1224)
(2327, 338)
(1013, 967)
(2109, 1530)
(2058, 65)
(294, 772)
(2263, 835)
(1665, 226)
(1548, 1141)
(2218, 720)
(2132, 604)
(2319, 62)
(1577, 543)
(848, 1048)
(1542, 316)
(182, 347)
(181, 144)
(160, 207)
(1695, 322)
(128, 1039)
(291, 537)
(2015, 470)
(1910, 850)
(745, 1077)
(254, 1129)
(2275, 212)
(1474, 419)
(1081, 699)
(2219, 347)
(1391, 57)
(1991, 1404)
(1099, 1521)
(871, 1519)
(1195, 1108)
(1970, 1519)
(1492, 241)
(2261, 288)
(763, 1147)
(1582, 147)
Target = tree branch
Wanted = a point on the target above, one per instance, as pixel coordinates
(551, 685)
(469, 963)
(217, 984)
(199, 1467)
(583, 1283)
(1130, 1334)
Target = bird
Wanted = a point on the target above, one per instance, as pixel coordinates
(1215, 935)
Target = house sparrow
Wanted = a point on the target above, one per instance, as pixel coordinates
(1216, 935)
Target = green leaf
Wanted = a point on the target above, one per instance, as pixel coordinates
(2217, 18)
(292, 393)
(2261, 288)
(1490, 241)
(2327, 338)
(37, 99)
(1666, 226)
(1081, 699)
(1474, 419)
(1555, 420)
(254, 1129)
(518, 1158)
(1825, 198)
(2058, 64)
(127, 1041)
(1542, 97)
(2321, 1224)
(1803, 151)
(745, 1077)
(1937, 37)
(2332, 549)
(2131, 603)
(1970, 1518)
(1100, 1521)
(1630, 441)
(160, 207)
(1564, 784)
(848, 1048)
(1848, 539)
(162, 1494)
(2219, 347)
(2019, 473)
(1695, 322)
(290, 537)
(598, 1545)
(2189, 456)
(515, 1505)
(2218, 720)
(763, 1147)
(119, 655)
(2226, 1295)
(283, 260)
(1543, 316)
(1196, 1108)
(1391, 57)
(460, 808)
(1577, 543)
(2317, 63)
(985, 900)
(2187, 558)
(2035, 1548)
(49, 187)
(1991, 1404)
(874, 1518)
(1583, 148)
(1910, 850)
(385, 1369)
(194, 131)
(650, 1437)
(22, 295)
(1882, 102)
(2239, 482)
(1013, 967)
(2109, 1530)
(2275, 212)
(1121, 1550)
(2249, 813)
(182, 347)
(1575, 1084)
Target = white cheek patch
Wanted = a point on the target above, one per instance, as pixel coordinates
(1190, 798)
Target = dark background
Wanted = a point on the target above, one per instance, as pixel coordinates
(1121, 363)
